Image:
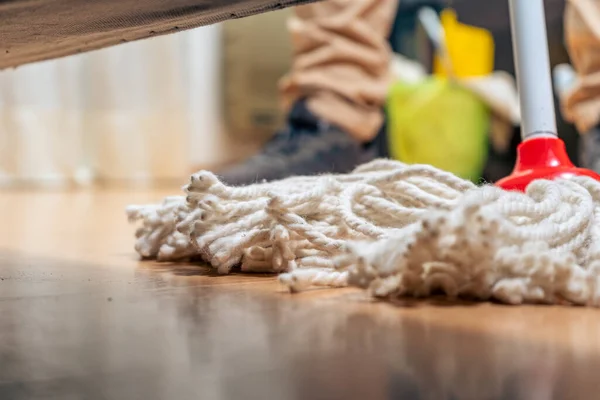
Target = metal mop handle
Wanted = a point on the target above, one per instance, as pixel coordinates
(532, 63)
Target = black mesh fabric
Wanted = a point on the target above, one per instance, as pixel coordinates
(36, 30)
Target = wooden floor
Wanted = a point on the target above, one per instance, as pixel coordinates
(82, 318)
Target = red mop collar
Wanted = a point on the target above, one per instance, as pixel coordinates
(542, 158)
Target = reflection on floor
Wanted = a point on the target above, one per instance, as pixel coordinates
(82, 318)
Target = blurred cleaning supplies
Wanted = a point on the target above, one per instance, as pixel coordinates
(470, 49)
(438, 35)
(439, 123)
(447, 119)
(564, 78)
(408, 36)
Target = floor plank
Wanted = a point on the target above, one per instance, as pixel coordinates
(82, 318)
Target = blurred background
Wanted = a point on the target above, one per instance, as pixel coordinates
(151, 112)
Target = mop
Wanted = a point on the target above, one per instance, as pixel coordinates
(404, 230)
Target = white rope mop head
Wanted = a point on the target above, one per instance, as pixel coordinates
(394, 229)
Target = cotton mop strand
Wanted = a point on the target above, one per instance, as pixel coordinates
(394, 229)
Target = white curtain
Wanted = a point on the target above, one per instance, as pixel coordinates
(142, 111)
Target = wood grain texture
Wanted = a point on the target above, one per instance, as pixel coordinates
(82, 318)
(37, 30)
